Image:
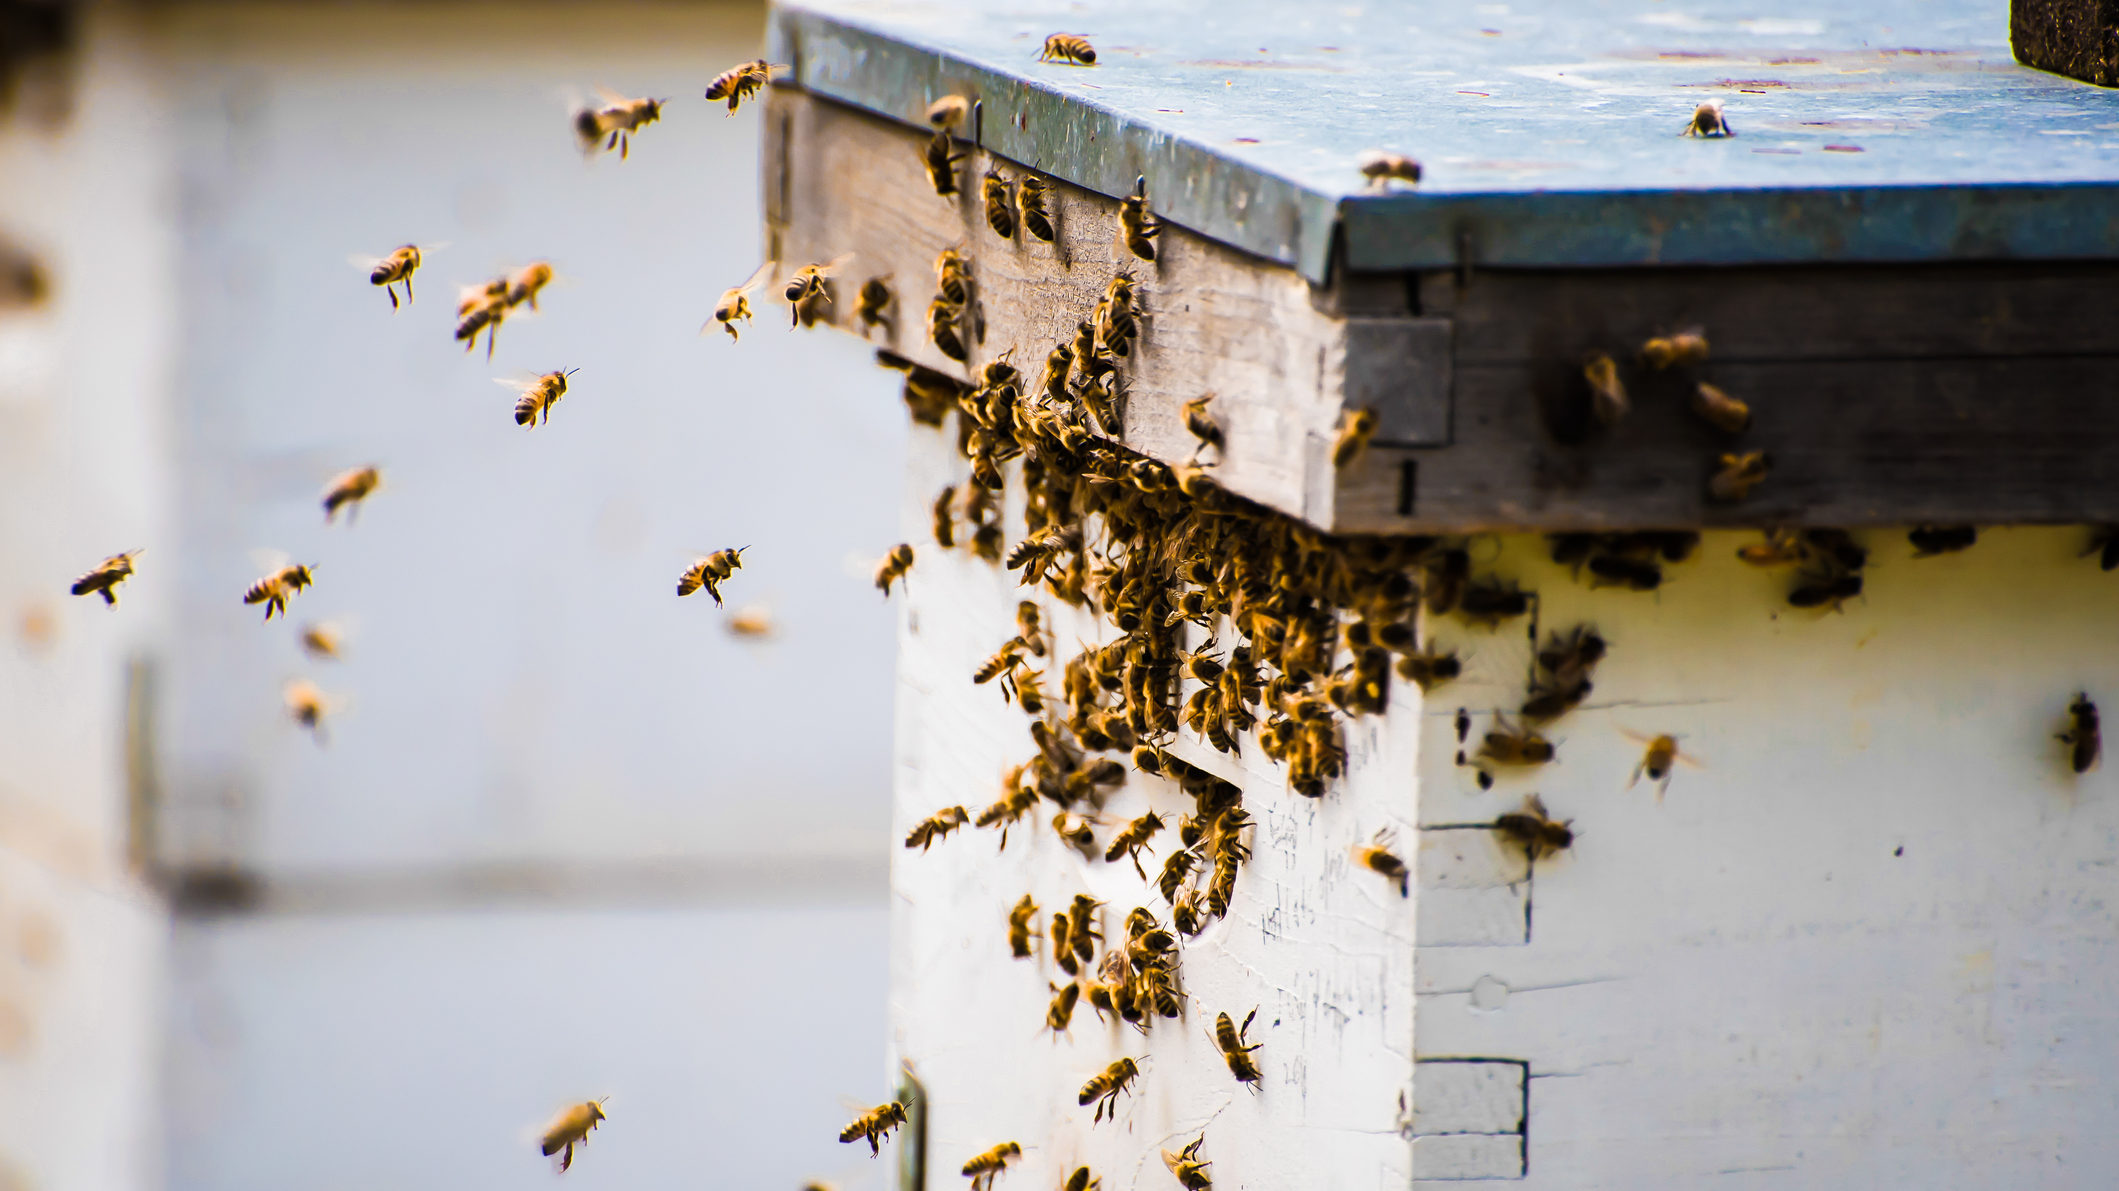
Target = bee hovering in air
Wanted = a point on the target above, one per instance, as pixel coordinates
(569, 1129)
(1103, 1088)
(2083, 737)
(274, 589)
(524, 284)
(740, 82)
(307, 705)
(1378, 858)
(104, 578)
(1068, 48)
(874, 1126)
(1137, 226)
(1658, 761)
(1707, 121)
(1718, 409)
(752, 621)
(893, 567)
(711, 572)
(322, 640)
(936, 826)
(872, 305)
(347, 490)
(1356, 428)
(1381, 169)
(808, 289)
(948, 111)
(399, 266)
(734, 306)
(481, 308)
(615, 121)
(982, 1167)
(536, 395)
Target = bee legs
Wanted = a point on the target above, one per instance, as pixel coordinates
(392, 291)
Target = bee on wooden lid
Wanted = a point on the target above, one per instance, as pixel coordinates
(1708, 120)
(1381, 169)
(1068, 48)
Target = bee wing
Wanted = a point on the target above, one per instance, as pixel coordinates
(269, 560)
(609, 96)
(518, 383)
(839, 262)
(758, 276)
(366, 260)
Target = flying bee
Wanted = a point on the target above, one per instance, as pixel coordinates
(1356, 428)
(347, 490)
(274, 589)
(1535, 830)
(1429, 669)
(307, 705)
(1060, 1013)
(1818, 589)
(1068, 48)
(1203, 427)
(1231, 1040)
(1104, 1087)
(1022, 926)
(1137, 226)
(525, 283)
(1133, 840)
(874, 1125)
(809, 288)
(1000, 204)
(1687, 347)
(1736, 475)
(1708, 120)
(893, 567)
(1931, 540)
(753, 620)
(322, 640)
(104, 577)
(1381, 169)
(871, 304)
(533, 405)
(1081, 1180)
(1190, 1172)
(941, 159)
(1719, 410)
(944, 522)
(481, 308)
(942, 315)
(615, 122)
(740, 82)
(387, 271)
(984, 1166)
(569, 1129)
(1074, 832)
(948, 111)
(1007, 658)
(1029, 627)
(1607, 395)
(1378, 858)
(1030, 206)
(711, 572)
(734, 306)
(1508, 744)
(937, 826)
(2082, 736)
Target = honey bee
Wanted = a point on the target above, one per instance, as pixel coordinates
(1429, 669)
(893, 567)
(1508, 744)
(1534, 829)
(274, 590)
(740, 82)
(937, 826)
(347, 490)
(481, 308)
(1356, 428)
(1378, 858)
(1000, 204)
(1029, 627)
(1737, 475)
(1021, 925)
(1081, 1180)
(1616, 570)
(1007, 658)
(1782, 547)
(1234, 1052)
(1817, 589)
(2082, 736)
(944, 522)
(1063, 946)
(1081, 926)
(1708, 120)
(874, 1125)
(321, 641)
(809, 288)
(982, 1167)
(400, 265)
(533, 407)
(104, 577)
(1075, 833)
(711, 572)
(1657, 761)
(1687, 347)
(942, 318)
(307, 705)
(1607, 395)
(755, 620)
(1030, 206)
(734, 306)
(1203, 427)
(1931, 540)
(524, 284)
(1187, 914)
(569, 1129)
(1068, 48)
(1381, 169)
(871, 303)
(1133, 840)
(1489, 602)
(1191, 1173)
(1104, 1087)
(941, 160)
(1719, 410)
(948, 111)
(1061, 1012)
(1137, 226)
(615, 122)
(1570, 658)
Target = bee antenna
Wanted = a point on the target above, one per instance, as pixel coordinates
(572, 371)
(1140, 185)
